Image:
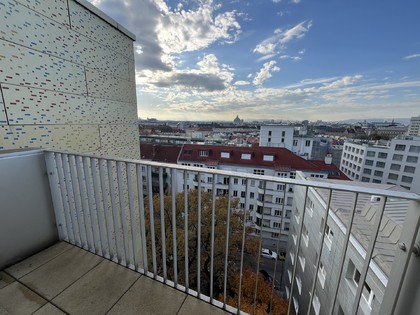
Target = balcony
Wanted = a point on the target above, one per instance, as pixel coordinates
(90, 219)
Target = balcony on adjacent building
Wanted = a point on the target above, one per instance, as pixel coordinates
(80, 234)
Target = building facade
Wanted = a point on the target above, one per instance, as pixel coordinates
(414, 127)
(395, 163)
(67, 79)
(325, 237)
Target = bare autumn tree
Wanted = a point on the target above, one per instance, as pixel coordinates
(221, 212)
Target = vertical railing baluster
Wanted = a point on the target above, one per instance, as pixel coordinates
(213, 209)
(123, 215)
(58, 201)
(65, 197)
(98, 203)
(320, 249)
(378, 218)
(162, 223)
(106, 208)
(227, 242)
(260, 248)
(77, 202)
(128, 170)
(297, 250)
(83, 197)
(139, 174)
(114, 210)
(186, 230)
(242, 253)
(278, 256)
(93, 225)
(152, 218)
(343, 255)
(174, 243)
(199, 236)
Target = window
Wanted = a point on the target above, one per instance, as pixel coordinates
(268, 157)
(253, 182)
(235, 193)
(369, 162)
(276, 225)
(209, 180)
(370, 153)
(204, 153)
(283, 133)
(407, 179)
(279, 200)
(412, 159)
(277, 212)
(280, 187)
(251, 195)
(409, 169)
(259, 172)
(328, 236)
(307, 143)
(242, 205)
(243, 181)
(376, 181)
(395, 167)
(322, 274)
(286, 226)
(353, 274)
(226, 181)
(243, 195)
(400, 147)
(397, 157)
(269, 132)
(380, 164)
(225, 155)
(274, 235)
(382, 155)
(299, 284)
(245, 156)
(282, 140)
(305, 235)
(378, 173)
(316, 304)
(365, 179)
(393, 176)
(368, 295)
(269, 140)
(295, 143)
(235, 181)
(292, 175)
(367, 171)
(414, 148)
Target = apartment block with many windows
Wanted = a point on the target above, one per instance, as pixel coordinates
(395, 163)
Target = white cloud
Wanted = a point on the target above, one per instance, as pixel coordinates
(296, 1)
(276, 1)
(412, 56)
(265, 72)
(295, 58)
(241, 82)
(281, 37)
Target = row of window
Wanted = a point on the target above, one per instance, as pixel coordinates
(353, 149)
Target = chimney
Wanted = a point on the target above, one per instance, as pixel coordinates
(154, 150)
(328, 159)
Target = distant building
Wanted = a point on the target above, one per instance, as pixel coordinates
(238, 121)
(314, 224)
(414, 128)
(395, 162)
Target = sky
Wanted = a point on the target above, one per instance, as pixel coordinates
(273, 59)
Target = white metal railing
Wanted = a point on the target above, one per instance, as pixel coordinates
(108, 206)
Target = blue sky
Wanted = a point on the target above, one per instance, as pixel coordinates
(274, 59)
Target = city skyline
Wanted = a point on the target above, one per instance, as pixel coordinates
(291, 60)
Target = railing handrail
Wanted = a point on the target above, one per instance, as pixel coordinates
(304, 183)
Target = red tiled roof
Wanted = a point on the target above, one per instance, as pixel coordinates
(167, 153)
(283, 159)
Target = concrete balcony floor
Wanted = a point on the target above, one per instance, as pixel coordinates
(64, 279)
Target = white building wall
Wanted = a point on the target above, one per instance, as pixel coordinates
(67, 79)
(398, 163)
(277, 136)
(414, 128)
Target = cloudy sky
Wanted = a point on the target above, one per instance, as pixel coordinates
(274, 59)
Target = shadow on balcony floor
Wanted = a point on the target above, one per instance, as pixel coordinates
(66, 279)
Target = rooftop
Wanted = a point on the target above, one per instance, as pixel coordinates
(66, 279)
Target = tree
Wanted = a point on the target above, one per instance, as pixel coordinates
(264, 297)
(221, 212)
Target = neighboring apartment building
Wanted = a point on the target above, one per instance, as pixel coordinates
(395, 163)
(292, 138)
(414, 127)
(67, 79)
(333, 245)
(270, 208)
